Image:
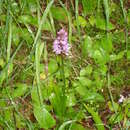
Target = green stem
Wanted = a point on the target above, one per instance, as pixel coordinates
(63, 75)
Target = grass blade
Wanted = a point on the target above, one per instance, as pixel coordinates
(37, 63)
(65, 124)
(42, 21)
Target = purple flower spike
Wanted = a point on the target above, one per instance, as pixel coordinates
(60, 45)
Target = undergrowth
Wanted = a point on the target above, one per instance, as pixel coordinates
(83, 88)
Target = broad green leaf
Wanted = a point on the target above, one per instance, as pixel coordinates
(127, 124)
(107, 43)
(92, 20)
(88, 95)
(99, 124)
(100, 56)
(27, 19)
(81, 89)
(8, 115)
(71, 100)
(67, 71)
(1, 7)
(116, 106)
(52, 66)
(76, 126)
(100, 23)
(59, 14)
(24, 34)
(85, 81)
(32, 6)
(20, 90)
(128, 55)
(86, 71)
(2, 121)
(15, 7)
(3, 103)
(87, 46)
(18, 34)
(58, 101)
(3, 18)
(93, 96)
(118, 56)
(89, 6)
(2, 63)
(43, 117)
(98, 82)
(82, 22)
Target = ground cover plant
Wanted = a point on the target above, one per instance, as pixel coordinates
(64, 65)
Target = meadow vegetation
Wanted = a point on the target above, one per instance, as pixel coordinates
(64, 65)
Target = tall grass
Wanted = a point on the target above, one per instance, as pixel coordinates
(43, 19)
(126, 24)
(106, 7)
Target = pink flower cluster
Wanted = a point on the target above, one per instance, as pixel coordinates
(60, 45)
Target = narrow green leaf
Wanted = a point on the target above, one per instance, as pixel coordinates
(96, 118)
(62, 127)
